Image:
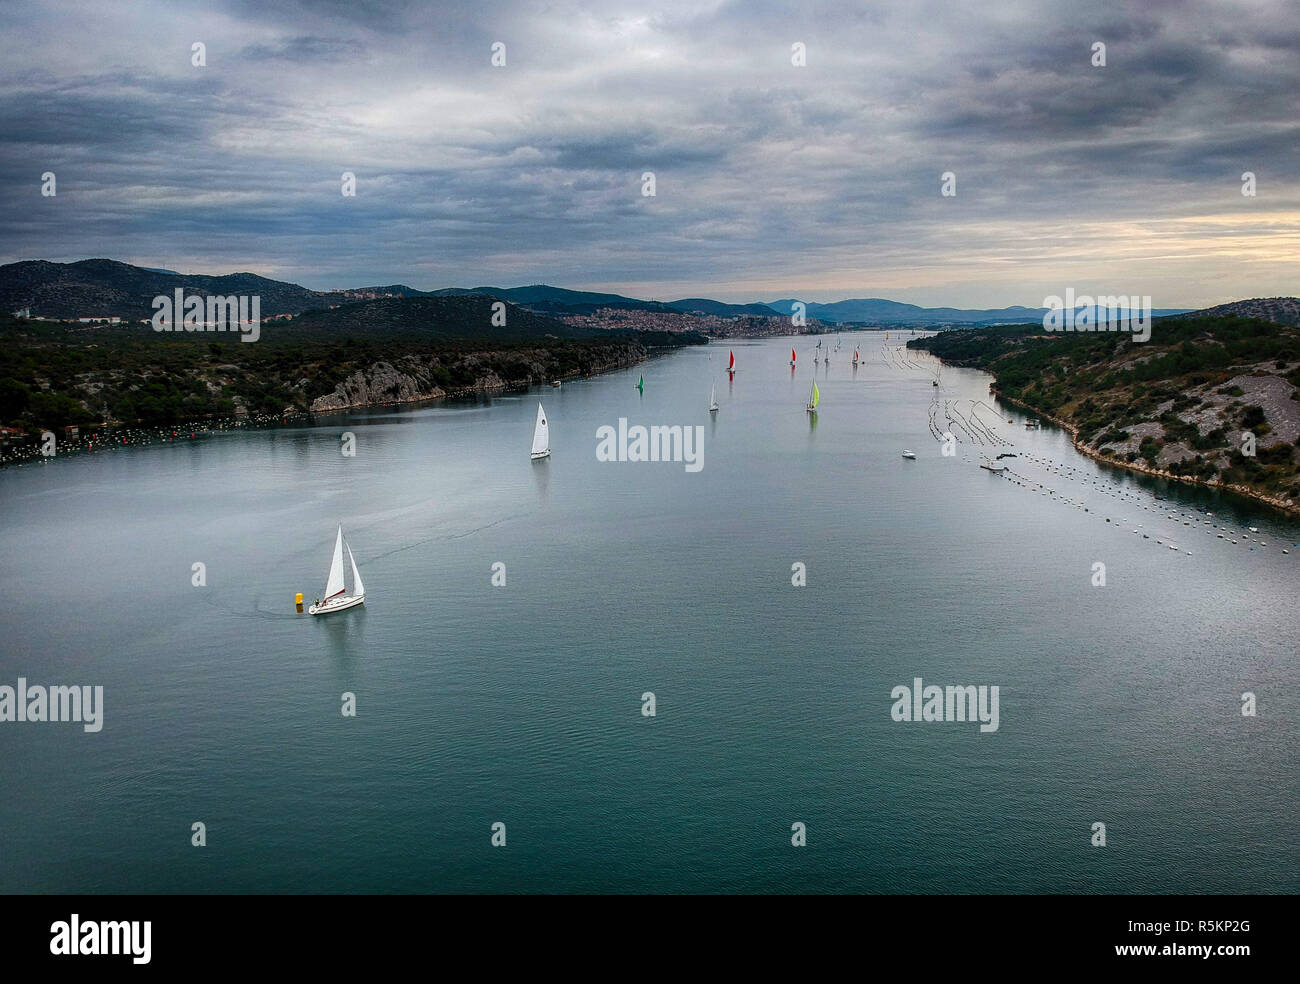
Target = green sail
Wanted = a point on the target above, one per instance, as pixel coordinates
(816, 396)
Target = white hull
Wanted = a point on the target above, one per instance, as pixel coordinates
(541, 454)
(336, 604)
(909, 454)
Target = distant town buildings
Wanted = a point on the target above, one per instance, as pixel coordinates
(366, 295)
(742, 326)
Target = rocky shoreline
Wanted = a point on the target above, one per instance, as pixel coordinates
(383, 384)
(379, 385)
(1284, 505)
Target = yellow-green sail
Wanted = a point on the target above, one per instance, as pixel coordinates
(815, 398)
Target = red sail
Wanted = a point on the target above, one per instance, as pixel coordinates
(732, 363)
(792, 355)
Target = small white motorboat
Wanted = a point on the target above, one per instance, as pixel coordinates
(910, 454)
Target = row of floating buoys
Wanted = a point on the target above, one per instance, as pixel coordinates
(1106, 485)
(1144, 502)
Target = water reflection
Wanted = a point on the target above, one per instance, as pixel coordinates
(542, 478)
(344, 640)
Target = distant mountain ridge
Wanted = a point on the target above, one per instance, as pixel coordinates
(108, 288)
(560, 300)
(879, 311)
(702, 305)
(103, 287)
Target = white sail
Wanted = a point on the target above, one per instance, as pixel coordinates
(334, 585)
(713, 397)
(541, 434)
(358, 589)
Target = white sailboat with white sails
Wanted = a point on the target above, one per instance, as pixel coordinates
(336, 597)
(713, 398)
(541, 436)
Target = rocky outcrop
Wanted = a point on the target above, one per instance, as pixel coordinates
(414, 379)
(1280, 310)
(1284, 503)
(378, 384)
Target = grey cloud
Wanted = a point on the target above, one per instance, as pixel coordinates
(304, 49)
(469, 174)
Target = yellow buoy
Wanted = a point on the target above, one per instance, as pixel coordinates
(297, 600)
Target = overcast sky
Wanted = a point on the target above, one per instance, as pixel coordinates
(772, 180)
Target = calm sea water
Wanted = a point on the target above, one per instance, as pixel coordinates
(522, 704)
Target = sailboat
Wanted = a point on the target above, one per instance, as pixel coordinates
(336, 599)
(641, 385)
(713, 398)
(731, 364)
(855, 356)
(792, 358)
(541, 436)
(814, 397)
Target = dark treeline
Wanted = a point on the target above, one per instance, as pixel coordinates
(56, 374)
